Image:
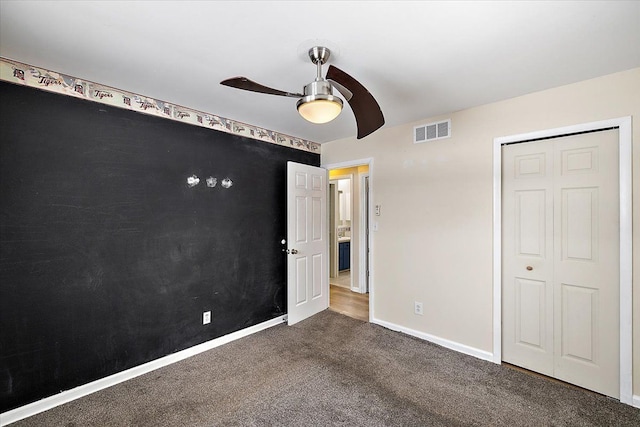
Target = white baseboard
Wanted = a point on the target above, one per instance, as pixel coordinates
(452, 345)
(636, 401)
(86, 389)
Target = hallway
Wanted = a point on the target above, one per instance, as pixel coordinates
(344, 301)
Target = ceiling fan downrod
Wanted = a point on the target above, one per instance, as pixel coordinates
(319, 55)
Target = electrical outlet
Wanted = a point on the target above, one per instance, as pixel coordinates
(417, 308)
(206, 317)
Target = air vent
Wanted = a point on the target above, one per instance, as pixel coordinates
(432, 131)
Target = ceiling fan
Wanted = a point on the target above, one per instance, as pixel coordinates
(318, 104)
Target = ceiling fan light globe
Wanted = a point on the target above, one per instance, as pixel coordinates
(319, 108)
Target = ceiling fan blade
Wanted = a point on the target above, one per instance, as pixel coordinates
(246, 84)
(368, 114)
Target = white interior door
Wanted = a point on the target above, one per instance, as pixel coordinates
(307, 241)
(561, 259)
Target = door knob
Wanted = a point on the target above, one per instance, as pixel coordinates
(292, 251)
(529, 268)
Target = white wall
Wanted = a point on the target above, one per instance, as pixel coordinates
(434, 242)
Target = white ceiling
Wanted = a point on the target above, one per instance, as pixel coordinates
(418, 59)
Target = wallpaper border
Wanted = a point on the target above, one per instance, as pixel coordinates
(28, 75)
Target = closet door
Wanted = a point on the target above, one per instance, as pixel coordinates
(527, 256)
(587, 261)
(561, 259)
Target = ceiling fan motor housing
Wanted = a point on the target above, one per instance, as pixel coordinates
(319, 94)
(319, 87)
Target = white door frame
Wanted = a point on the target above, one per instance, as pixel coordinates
(350, 164)
(333, 238)
(364, 235)
(626, 305)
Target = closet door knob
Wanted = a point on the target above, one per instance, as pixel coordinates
(529, 268)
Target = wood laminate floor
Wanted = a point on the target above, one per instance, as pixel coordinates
(352, 304)
(343, 279)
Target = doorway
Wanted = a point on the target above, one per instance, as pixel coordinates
(566, 294)
(350, 248)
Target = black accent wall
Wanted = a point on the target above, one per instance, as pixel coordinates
(108, 259)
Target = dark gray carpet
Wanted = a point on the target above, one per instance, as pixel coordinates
(335, 370)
